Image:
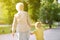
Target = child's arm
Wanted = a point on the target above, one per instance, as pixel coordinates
(33, 32)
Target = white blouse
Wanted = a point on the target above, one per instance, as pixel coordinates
(21, 22)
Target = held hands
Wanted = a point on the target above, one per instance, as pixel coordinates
(31, 33)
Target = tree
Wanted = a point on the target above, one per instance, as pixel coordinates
(9, 5)
(33, 9)
(48, 11)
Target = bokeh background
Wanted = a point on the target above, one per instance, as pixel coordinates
(46, 11)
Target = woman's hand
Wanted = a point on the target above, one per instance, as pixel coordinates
(13, 34)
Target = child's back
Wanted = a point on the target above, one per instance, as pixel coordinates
(39, 32)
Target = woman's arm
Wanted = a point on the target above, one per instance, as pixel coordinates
(28, 20)
(14, 25)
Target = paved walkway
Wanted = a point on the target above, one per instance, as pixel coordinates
(52, 34)
(9, 37)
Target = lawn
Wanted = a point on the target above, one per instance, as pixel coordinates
(5, 30)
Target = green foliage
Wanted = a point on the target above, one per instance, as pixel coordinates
(3, 13)
(25, 6)
(11, 9)
(45, 10)
(8, 10)
(33, 9)
(58, 15)
(5, 30)
(49, 12)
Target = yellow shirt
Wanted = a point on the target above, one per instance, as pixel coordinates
(39, 34)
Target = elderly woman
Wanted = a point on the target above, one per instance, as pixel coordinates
(21, 23)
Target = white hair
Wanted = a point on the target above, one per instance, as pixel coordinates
(18, 5)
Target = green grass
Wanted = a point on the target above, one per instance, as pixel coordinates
(5, 30)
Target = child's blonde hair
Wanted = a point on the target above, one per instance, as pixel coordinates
(37, 24)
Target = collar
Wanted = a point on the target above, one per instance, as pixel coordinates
(20, 12)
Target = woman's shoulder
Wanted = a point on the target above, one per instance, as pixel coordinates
(25, 12)
(16, 15)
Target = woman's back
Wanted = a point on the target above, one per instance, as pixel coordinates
(22, 24)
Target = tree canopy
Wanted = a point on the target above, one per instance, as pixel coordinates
(47, 11)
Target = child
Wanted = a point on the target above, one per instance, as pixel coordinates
(39, 31)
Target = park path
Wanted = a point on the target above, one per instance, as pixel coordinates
(50, 34)
(9, 37)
